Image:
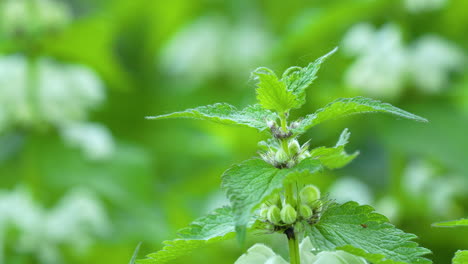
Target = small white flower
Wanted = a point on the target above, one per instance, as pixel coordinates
(93, 139)
(261, 254)
(415, 6)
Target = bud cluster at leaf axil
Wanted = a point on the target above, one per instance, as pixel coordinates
(285, 157)
(280, 212)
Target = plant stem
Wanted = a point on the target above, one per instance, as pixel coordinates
(294, 257)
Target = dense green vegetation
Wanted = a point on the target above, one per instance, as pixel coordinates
(84, 177)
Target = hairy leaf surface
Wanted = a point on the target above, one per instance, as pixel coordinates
(214, 227)
(455, 223)
(252, 116)
(362, 232)
(297, 79)
(272, 93)
(349, 106)
(249, 183)
(461, 257)
(335, 157)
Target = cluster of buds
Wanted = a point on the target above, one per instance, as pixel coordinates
(281, 214)
(280, 158)
(278, 132)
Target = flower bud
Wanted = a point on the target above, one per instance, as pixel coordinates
(309, 194)
(294, 147)
(274, 214)
(288, 214)
(275, 199)
(281, 156)
(263, 213)
(271, 124)
(305, 211)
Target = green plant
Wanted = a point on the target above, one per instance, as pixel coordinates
(461, 256)
(275, 192)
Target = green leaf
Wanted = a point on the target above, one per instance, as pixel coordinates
(135, 253)
(461, 257)
(297, 79)
(272, 93)
(455, 223)
(252, 116)
(251, 182)
(206, 230)
(335, 157)
(349, 106)
(360, 231)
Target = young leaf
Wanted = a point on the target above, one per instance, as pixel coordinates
(214, 227)
(251, 182)
(455, 223)
(272, 93)
(297, 79)
(252, 116)
(360, 231)
(461, 257)
(335, 157)
(348, 106)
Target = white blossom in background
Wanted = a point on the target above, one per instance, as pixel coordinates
(74, 222)
(438, 192)
(16, 16)
(384, 64)
(261, 254)
(431, 60)
(13, 98)
(416, 6)
(67, 92)
(380, 67)
(94, 139)
(62, 95)
(350, 189)
(210, 45)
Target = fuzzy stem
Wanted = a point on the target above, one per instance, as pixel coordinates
(294, 257)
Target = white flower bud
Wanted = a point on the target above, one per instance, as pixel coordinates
(274, 215)
(294, 147)
(309, 194)
(288, 214)
(305, 211)
(281, 156)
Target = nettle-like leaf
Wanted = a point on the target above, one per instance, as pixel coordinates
(214, 227)
(251, 182)
(252, 116)
(272, 93)
(461, 257)
(297, 79)
(335, 157)
(455, 223)
(361, 231)
(349, 106)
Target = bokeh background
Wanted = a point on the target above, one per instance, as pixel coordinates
(84, 177)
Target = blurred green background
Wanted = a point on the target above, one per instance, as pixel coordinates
(84, 177)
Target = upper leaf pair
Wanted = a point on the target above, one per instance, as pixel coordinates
(257, 117)
(282, 95)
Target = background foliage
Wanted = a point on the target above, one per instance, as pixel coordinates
(84, 177)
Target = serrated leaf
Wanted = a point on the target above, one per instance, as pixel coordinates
(335, 157)
(252, 116)
(455, 223)
(297, 79)
(206, 230)
(272, 93)
(361, 231)
(349, 106)
(461, 257)
(249, 183)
